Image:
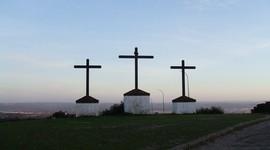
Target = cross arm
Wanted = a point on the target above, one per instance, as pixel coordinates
(130, 56)
(180, 67)
(126, 56)
(79, 66)
(146, 57)
(91, 66)
(95, 66)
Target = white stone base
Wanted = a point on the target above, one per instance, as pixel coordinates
(137, 104)
(184, 107)
(87, 109)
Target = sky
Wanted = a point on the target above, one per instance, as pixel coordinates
(227, 40)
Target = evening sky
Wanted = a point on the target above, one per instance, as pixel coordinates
(41, 40)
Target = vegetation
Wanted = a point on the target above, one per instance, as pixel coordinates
(116, 109)
(261, 108)
(61, 114)
(212, 110)
(114, 132)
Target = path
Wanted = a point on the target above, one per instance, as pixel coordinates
(256, 137)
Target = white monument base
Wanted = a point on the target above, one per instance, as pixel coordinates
(184, 107)
(87, 106)
(137, 104)
(137, 101)
(87, 109)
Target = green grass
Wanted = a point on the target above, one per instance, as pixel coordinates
(114, 132)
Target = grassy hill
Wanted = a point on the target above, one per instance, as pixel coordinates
(114, 132)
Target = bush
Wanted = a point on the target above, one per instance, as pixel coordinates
(261, 108)
(212, 110)
(60, 114)
(116, 109)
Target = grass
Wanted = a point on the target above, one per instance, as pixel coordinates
(114, 132)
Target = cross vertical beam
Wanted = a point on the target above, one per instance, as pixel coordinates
(136, 57)
(87, 77)
(136, 67)
(87, 67)
(183, 67)
(183, 79)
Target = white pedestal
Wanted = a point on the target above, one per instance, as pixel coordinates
(184, 107)
(137, 104)
(87, 109)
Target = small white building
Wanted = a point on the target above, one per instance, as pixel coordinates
(137, 102)
(87, 106)
(184, 105)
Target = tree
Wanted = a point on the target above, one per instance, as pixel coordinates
(261, 108)
(116, 109)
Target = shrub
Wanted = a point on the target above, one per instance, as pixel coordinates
(116, 109)
(60, 114)
(261, 108)
(212, 110)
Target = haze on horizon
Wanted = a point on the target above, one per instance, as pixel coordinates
(227, 40)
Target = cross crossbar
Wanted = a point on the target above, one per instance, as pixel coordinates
(91, 66)
(127, 56)
(185, 67)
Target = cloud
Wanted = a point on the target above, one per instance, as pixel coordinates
(210, 4)
(10, 33)
(35, 62)
(262, 46)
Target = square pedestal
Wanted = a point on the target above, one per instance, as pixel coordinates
(137, 102)
(87, 106)
(184, 107)
(87, 109)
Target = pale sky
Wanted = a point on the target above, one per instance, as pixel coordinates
(41, 40)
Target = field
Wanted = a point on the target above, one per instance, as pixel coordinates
(114, 132)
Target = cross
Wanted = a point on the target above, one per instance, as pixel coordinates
(136, 57)
(87, 67)
(183, 67)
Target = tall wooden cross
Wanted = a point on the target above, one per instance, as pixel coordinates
(136, 57)
(87, 67)
(183, 67)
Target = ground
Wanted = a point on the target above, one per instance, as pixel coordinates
(253, 137)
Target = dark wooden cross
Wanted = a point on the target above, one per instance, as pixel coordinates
(87, 67)
(183, 67)
(136, 57)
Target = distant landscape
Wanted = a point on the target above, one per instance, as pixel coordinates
(43, 110)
